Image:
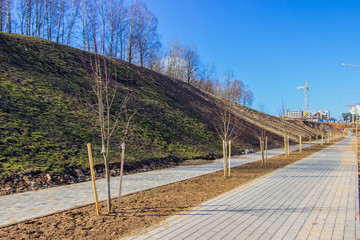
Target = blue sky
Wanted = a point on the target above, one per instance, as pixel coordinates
(273, 46)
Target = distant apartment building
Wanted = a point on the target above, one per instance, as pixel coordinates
(312, 114)
(352, 114)
(354, 109)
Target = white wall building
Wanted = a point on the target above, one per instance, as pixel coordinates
(354, 109)
(311, 113)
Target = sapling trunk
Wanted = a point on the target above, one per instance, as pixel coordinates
(266, 147)
(288, 145)
(107, 176)
(285, 148)
(262, 150)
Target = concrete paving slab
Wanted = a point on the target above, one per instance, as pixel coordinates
(315, 198)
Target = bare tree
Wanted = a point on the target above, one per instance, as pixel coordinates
(227, 124)
(192, 62)
(85, 28)
(44, 18)
(8, 17)
(60, 19)
(2, 14)
(21, 13)
(28, 16)
(115, 19)
(132, 21)
(120, 40)
(38, 10)
(263, 138)
(104, 95)
(155, 62)
(233, 88)
(207, 82)
(103, 82)
(247, 96)
(147, 37)
(49, 18)
(174, 63)
(74, 11)
(104, 8)
(104, 87)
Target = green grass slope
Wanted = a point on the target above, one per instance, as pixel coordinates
(45, 123)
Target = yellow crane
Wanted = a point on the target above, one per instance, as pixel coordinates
(306, 87)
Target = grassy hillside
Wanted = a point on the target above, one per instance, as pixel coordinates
(45, 122)
(45, 125)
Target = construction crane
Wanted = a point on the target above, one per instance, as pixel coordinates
(306, 87)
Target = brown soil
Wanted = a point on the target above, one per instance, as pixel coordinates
(143, 209)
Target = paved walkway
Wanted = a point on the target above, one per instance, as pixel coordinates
(315, 198)
(22, 206)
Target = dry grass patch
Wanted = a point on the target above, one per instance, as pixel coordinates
(145, 208)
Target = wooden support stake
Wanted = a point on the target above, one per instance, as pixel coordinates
(121, 171)
(93, 179)
(300, 144)
(309, 142)
(224, 154)
(229, 157)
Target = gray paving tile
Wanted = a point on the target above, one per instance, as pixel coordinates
(316, 198)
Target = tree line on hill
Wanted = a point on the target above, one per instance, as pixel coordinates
(125, 31)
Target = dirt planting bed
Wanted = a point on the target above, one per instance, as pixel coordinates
(143, 209)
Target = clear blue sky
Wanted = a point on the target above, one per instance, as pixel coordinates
(273, 46)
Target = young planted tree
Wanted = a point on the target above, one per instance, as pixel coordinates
(323, 133)
(113, 112)
(228, 126)
(262, 138)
